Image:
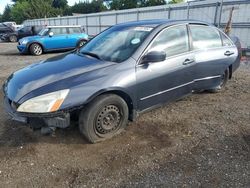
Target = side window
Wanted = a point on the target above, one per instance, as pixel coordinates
(56, 31)
(205, 37)
(173, 41)
(59, 31)
(64, 30)
(225, 40)
(74, 30)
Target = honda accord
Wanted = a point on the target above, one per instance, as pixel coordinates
(125, 70)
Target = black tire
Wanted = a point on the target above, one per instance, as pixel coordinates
(36, 49)
(224, 79)
(81, 43)
(13, 38)
(103, 118)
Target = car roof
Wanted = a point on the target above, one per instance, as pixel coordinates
(158, 22)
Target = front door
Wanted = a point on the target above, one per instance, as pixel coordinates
(59, 40)
(170, 79)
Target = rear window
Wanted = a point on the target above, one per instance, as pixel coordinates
(25, 29)
(73, 30)
(205, 37)
(37, 29)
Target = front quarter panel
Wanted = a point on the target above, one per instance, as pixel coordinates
(120, 77)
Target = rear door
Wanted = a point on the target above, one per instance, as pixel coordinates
(172, 78)
(211, 56)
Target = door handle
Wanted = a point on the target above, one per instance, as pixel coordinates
(188, 61)
(228, 53)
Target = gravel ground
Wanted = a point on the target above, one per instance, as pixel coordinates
(200, 141)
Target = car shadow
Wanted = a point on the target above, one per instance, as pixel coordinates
(10, 53)
(15, 134)
(7, 42)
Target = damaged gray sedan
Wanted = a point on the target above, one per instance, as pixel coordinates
(125, 70)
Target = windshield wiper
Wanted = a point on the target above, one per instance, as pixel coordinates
(91, 54)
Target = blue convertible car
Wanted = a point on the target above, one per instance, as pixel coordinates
(53, 38)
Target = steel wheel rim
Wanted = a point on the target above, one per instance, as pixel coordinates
(108, 120)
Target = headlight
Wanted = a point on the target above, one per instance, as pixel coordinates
(45, 103)
(24, 41)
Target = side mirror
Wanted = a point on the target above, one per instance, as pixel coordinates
(154, 56)
(51, 34)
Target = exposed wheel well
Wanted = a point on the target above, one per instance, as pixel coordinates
(82, 40)
(78, 42)
(230, 71)
(74, 115)
(13, 35)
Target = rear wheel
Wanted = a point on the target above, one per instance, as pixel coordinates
(81, 43)
(36, 49)
(224, 79)
(13, 38)
(103, 118)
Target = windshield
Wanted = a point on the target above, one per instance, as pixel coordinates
(43, 32)
(116, 44)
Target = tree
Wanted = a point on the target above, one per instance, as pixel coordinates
(127, 4)
(88, 7)
(18, 11)
(7, 14)
(60, 4)
(176, 1)
(123, 4)
(32, 9)
(155, 2)
(147, 3)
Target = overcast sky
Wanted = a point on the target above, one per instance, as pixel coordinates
(3, 3)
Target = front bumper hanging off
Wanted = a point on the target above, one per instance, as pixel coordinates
(58, 119)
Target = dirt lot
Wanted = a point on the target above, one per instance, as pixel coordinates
(200, 141)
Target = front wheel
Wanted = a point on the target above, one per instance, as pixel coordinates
(13, 38)
(224, 79)
(36, 49)
(103, 118)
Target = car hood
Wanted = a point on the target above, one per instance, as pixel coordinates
(49, 71)
(30, 38)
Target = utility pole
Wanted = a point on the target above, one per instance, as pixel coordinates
(229, 23)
